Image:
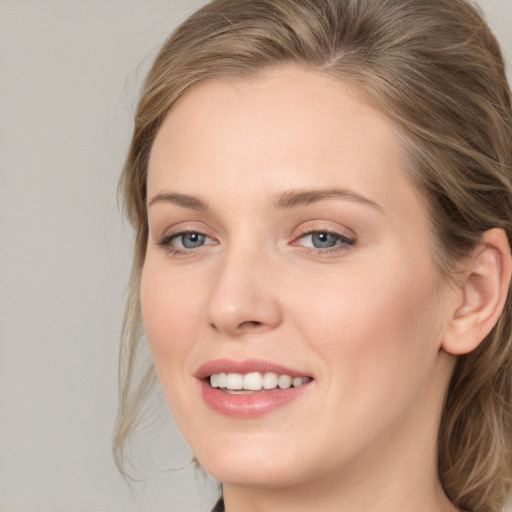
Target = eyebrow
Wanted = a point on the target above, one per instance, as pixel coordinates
(184, 200)
(296, 198)
(288, 199)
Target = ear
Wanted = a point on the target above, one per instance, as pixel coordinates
(484, 289)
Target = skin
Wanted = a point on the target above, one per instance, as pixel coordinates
(366, 320)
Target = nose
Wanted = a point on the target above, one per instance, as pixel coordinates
(244, 295)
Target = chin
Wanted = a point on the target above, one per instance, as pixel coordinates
(254, 465)
(251, 476)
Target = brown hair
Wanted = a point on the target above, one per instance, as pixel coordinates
(436, 69)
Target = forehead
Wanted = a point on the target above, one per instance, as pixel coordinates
(288, 128)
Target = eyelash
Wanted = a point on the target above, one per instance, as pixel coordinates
(166, 242)
(342, 242)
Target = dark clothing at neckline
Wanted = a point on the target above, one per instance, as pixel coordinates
(219, 507)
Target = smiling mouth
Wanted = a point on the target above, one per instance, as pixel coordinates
(238, 383)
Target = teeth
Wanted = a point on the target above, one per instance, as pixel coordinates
(234, 381)
(255, 381)
(270, 380)
(297, 381)
(284, 381)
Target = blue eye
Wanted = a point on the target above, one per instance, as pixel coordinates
(325, 240)
(185, 241)
(189, 240)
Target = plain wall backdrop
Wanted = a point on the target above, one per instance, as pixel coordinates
(70, 76)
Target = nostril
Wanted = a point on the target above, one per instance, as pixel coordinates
(250, 324)
(247, 325)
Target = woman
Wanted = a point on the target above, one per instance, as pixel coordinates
(321, 193)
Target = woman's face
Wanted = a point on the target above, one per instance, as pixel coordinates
(287, 244)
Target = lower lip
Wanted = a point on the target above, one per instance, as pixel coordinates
(249, 405)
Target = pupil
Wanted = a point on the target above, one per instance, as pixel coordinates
(324, 240)
(192, 240)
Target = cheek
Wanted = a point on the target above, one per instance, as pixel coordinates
(379, 343)
(170, 311)
(376, 326)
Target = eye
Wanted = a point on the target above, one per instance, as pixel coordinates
(189, 240)
(324, 241)
(185, 241)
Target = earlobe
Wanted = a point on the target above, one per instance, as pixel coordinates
(484, 290)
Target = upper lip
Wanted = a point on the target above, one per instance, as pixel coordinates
(245, 366)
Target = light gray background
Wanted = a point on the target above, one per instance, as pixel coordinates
(70, 73)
